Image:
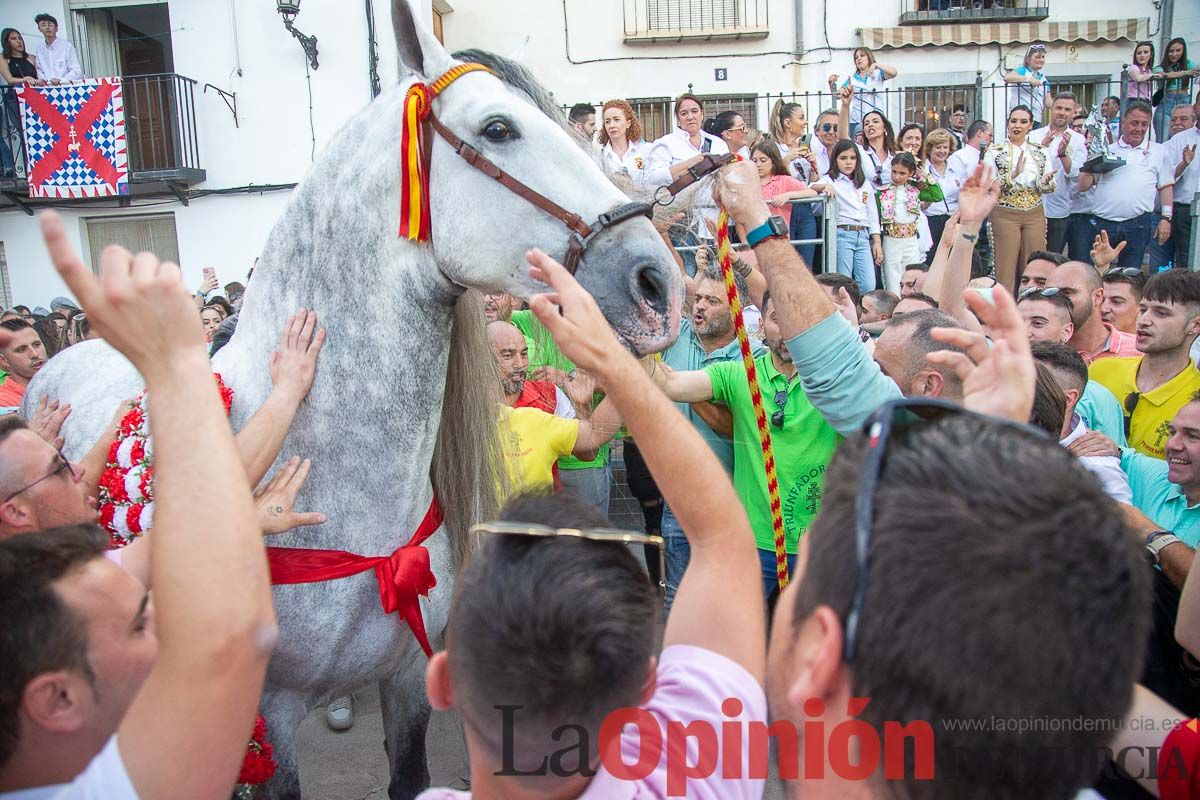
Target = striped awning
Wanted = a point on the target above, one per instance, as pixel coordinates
(1096, 30)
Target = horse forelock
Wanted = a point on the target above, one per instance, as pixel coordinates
(518, 77)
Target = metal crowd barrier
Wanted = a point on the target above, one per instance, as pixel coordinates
(826, 226)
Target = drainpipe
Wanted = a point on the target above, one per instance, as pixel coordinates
(798, 7)
(372, 52)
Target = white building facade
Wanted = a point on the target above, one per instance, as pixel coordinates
(195, 196)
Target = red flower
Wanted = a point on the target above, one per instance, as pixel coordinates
(131, 422)
(137, 453)
(112, 482)
(146, 485)
(259, 764)
(106, 515)
(226, 393)
(112, 452)
(133, 519)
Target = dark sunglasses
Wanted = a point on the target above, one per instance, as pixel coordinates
(60, 465)
(781, 401)
(897, 415)
(827, 128)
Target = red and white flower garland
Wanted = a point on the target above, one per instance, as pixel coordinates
(127, 485)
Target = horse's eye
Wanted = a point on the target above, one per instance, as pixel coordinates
(498, 130)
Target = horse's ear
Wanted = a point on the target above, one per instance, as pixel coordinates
(419, 51)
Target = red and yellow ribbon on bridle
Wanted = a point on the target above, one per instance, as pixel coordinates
(414, 172)
(760, 415)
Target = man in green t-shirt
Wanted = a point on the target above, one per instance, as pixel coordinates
(589, 480)
(803, 441)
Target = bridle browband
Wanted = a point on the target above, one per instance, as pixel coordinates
(420, 98)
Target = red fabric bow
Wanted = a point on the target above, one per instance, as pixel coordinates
(402, 576)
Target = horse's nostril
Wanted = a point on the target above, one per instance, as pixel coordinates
(650, 285)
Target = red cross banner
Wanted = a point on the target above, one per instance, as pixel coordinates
(75, 139)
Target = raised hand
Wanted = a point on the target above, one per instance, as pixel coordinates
(1048, 137)
(275, 502)
(845, 306)
(1189, 152)
(949, 233)
(1103, 253)
(998, 380)
(294, 364)
(139, 305)
(978, 196)
(738, 191)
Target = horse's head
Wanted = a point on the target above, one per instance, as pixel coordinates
(481, 229)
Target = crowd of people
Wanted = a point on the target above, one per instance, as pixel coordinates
(988, 481)
(896, 185)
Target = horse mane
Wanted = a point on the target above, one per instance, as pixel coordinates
(517, 76)
(468, 469)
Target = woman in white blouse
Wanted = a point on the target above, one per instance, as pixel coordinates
(1026, 172)
(688, 143)
(625, 151)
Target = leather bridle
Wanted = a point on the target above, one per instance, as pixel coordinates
(582, 233)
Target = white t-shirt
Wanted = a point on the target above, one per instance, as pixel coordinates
(866, 94)
(1132, 190)
(1187, 183)
(104, 779)
(1057, 204)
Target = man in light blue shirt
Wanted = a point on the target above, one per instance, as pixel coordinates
(706, 337)
(1168, 491)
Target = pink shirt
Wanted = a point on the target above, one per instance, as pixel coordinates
(777, 185)
(1119, 345)
(692, 684)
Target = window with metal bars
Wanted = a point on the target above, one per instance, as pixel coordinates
(674, 15)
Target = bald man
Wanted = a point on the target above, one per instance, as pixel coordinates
(1093, 338)
(535, 435)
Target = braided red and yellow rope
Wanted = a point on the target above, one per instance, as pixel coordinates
(760, 415)
(414, 172)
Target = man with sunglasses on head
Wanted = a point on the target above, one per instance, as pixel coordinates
(549, 634)
(1154, 385)
(803, 441)
(1094, 338)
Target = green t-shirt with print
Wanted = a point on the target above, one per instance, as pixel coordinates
(803, 447)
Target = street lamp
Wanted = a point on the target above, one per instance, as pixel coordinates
(288, 9)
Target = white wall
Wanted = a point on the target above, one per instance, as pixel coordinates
(272, 143)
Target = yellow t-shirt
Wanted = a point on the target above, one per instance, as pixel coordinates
(533, 441)
(1149, 427)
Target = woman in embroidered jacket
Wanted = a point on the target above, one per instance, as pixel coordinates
(1026, 172)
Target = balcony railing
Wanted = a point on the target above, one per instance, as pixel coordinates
(915, 12)
(160, 133)
(651, 21)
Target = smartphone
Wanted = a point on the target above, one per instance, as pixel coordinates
(210, 274)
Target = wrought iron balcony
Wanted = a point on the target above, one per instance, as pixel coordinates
(160, 136)
(656, 21)
(916, 12)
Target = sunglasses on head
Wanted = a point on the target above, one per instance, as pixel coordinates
(1126, 272)
(1038, 291)
(897, 416)
(1131, 402)
(607, 535)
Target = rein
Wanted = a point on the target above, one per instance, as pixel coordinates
(416, 147)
